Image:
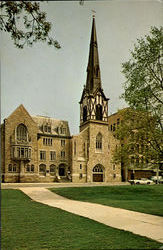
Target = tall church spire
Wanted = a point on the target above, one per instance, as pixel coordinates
(93, 70)
(93, 102)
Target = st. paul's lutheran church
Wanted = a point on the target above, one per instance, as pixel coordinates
(41, 149)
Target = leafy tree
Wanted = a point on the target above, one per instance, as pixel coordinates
(144, 75)
(140, 141)
(143, 91)
(26, 23)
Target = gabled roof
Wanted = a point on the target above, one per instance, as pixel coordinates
(20, 109)
(39, 121)
(54, 123)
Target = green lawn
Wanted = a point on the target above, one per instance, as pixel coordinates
(30, 225)
(145, 199)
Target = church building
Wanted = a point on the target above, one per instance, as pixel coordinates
(41, 149)
(94, 145)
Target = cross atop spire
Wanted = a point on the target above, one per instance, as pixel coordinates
(93, 70)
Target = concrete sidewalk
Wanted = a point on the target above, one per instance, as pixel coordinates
(138, 223)
(59, 185)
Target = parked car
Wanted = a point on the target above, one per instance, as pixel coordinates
(141, 181)
(157, 178)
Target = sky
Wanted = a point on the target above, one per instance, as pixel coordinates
(50, 82)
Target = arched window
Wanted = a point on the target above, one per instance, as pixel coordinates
(21, 132)
(14, 168)
(84, 113)
(42, 168)
(32, 168)
(28, 168)
(99, 141)
(99, 112)
(10, 168)
(52, 168)
(98, 169)
(98, 173)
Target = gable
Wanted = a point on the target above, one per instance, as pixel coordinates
(100, 92)
(20, 115)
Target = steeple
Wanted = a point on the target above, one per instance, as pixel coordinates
(93, 70)
(93, 102)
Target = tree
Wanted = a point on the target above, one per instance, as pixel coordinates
(144, 74)
(143, 91)
(140, 141)
(26, 23)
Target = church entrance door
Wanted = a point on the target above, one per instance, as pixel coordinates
(62, 170)
(97, 177)
(98, 173)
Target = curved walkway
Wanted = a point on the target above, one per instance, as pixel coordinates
(147, 225)
(61, 184)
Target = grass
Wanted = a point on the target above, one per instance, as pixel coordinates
(29, 225)
(145, 199)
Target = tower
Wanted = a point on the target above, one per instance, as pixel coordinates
(93, 103)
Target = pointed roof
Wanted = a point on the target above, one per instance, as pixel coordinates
(93, 69)
(20, 109)
(20, 115)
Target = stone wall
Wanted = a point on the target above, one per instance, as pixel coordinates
(79, 162)
(102, 157)
(57, 147)
(88, 156)
(35, 142)
(19, 116)
(79, 156)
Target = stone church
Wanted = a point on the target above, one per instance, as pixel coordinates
(41, 149)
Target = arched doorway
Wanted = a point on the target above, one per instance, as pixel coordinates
(98, 173)
(62, 169)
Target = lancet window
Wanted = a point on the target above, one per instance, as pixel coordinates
(99, 112)
(22, 132)
(99, 141)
